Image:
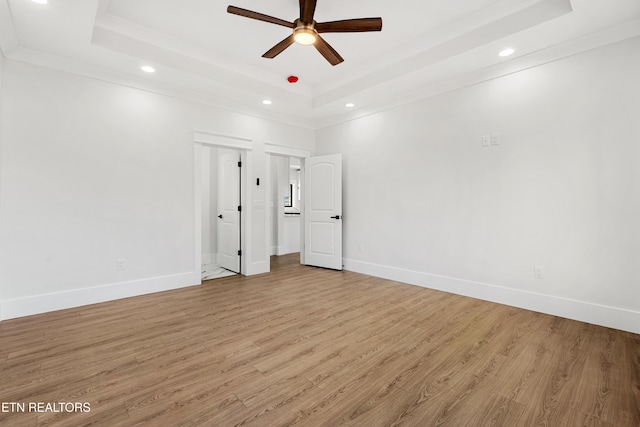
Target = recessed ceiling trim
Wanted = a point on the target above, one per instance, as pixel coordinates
(127, 37)
(520, 20)
(376, 104)
(430, 39)
(219, 81)
(137, 81)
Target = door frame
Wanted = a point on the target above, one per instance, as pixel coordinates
(244, 146)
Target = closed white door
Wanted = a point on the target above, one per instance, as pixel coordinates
(323, 211)
(229, 210)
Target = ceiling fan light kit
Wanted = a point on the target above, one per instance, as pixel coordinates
(306, 31)
(304, 34)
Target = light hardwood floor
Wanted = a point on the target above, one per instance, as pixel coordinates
(312, 347)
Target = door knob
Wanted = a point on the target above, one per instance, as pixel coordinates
(336, 217)
(220, 216)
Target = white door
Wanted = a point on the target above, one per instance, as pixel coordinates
(229, 210)
(323, 211)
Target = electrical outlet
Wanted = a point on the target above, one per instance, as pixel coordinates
(486, 140)
(120, 264)
(538, 272)
(495, 138)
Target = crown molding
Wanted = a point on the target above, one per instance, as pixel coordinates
(95, 72)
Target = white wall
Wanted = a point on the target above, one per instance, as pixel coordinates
(93, 172)
(291, 234)
(2, 60)
(426, 204)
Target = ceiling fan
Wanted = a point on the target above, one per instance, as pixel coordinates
(307, 31)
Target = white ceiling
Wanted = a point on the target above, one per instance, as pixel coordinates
(203, 53)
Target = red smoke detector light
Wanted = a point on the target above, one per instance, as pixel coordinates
(292, 79)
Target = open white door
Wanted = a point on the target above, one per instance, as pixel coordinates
(323, 211)
(229, 210)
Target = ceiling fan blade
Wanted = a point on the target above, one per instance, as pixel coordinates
(350, 25)
(279, 48)
(258, 16)
(327, 51)
(307, 9)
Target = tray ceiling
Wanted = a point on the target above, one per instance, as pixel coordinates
(204, 53)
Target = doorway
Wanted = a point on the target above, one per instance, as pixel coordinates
(285, 201)
(221, 183)
(307, 222)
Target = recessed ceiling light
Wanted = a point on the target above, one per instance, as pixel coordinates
(40, 1)
(350, 105)
(148, 69)
(267, 102)
(507, 52)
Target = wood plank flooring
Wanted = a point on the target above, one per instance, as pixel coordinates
(304, 346)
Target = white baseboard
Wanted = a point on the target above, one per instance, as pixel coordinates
(44, 303)
(611, 317)
(258, 267)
